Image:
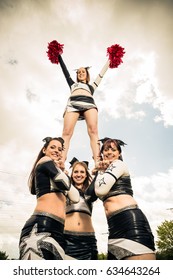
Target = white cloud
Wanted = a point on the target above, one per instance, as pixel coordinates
(158, 185)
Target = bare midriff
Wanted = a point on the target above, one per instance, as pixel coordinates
(79, 222)
(81, 91)
(118, 202)
(52, 203)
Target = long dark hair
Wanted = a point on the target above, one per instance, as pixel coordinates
(88, 178)
(47, 140)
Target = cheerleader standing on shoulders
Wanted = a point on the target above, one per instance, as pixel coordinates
(42, 235)
(130, 236)
(81, 104)
(79, 233)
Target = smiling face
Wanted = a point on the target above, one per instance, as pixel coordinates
(111, 152)
(53, 150)
(79, 175)
(82, 75)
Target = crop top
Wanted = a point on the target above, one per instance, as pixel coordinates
(82, 206)
(122, 186)
(114, 181)
(49, 178)
(79, 85)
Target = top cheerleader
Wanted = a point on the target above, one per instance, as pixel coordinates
(81, 104)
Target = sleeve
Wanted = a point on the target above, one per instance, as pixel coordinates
(65, 71)
(90, 195)
(106, 180)
(100, 75)
(58, 177)
(73, 195)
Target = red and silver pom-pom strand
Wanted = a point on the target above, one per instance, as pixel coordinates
(115, 53)
(54, 50)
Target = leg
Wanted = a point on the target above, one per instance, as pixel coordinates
(91, 117)
(70, 119)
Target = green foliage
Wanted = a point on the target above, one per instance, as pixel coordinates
(165, 240)
(163, 256)
(3, 256)
(102, 256)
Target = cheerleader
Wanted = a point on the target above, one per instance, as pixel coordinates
(79, 232)
(130, 236)
(81, 104)
(42, 235)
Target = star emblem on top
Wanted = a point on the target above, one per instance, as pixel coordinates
(111, 167)
(102, 182)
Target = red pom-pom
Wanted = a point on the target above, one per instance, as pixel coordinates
(54, 50)
(115, 53)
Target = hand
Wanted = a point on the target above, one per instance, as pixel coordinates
(103, 165)
(66, 172)
(60, 164)
(93, 172)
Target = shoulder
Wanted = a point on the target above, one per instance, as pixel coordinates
(44, 159)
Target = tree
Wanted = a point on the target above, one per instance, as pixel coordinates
(3, 256)
(165, 240)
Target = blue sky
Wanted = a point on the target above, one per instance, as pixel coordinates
(135, 100)
(149, 143)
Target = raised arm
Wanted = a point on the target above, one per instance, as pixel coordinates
(65, 71)
(100, 75)
(54, 52)
(115, 53)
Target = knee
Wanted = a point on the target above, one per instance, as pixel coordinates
(92, 131)
(67, 133)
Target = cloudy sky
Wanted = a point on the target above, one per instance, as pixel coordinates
(135, 100)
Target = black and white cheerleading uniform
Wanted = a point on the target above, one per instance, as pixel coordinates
(81, 103)
(80, 245)
(129, 230)
(42, 235)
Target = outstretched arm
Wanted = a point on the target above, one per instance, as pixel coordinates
(65, 71)
(115, 53)
(100, 75)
